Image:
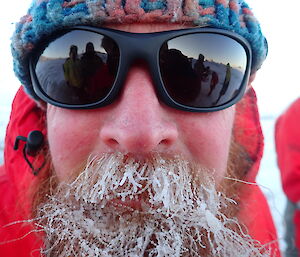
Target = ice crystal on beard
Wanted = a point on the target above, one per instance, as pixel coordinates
(182, 216)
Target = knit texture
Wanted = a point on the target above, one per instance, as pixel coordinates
(46, 16)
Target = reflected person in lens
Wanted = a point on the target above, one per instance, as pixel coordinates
(139, 157)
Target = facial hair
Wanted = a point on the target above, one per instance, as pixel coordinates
(159, 206)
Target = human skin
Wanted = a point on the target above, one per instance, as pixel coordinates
(137, 122)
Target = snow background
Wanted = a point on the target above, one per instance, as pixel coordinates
(275, 83)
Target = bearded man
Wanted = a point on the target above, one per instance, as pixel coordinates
(152, 166)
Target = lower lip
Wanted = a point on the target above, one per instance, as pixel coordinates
(132, 204)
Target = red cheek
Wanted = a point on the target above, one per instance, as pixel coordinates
(73, 145)
(70, 143)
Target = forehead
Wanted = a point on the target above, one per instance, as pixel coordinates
(148, 27)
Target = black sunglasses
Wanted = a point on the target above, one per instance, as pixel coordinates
(196, 70)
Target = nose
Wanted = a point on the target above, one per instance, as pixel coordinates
(139, 123)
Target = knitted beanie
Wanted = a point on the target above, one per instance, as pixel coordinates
(46, 16)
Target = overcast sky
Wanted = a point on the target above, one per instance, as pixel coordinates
(276, 83)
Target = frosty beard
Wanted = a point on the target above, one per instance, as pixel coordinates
(156, 207)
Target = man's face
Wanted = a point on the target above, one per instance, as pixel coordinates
(139, 124)
(151, 185)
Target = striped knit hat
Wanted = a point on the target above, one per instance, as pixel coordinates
(46, 16)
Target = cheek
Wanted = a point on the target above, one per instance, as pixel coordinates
(207, 139)
(71, 139)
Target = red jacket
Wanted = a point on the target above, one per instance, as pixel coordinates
(287, 137)
(16, 179)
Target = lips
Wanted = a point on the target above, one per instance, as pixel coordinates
(136, 204)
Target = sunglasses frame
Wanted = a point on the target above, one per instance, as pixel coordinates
(137, 46)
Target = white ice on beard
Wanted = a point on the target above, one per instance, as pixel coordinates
(180, 217)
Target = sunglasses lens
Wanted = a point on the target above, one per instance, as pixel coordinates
(79, 67)
(203, 70)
